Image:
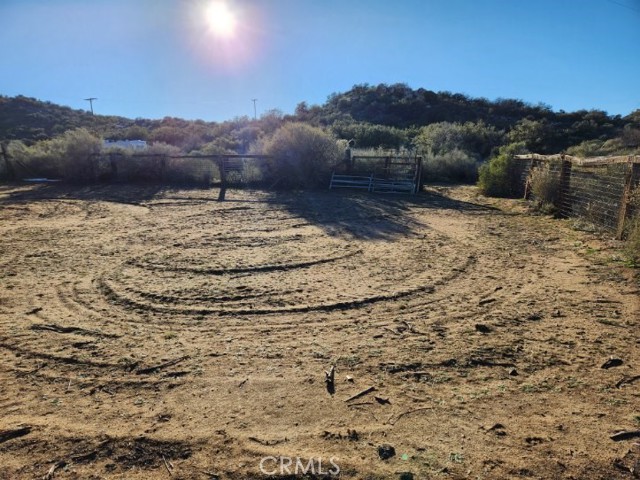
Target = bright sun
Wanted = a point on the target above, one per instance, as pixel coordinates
(221, 19)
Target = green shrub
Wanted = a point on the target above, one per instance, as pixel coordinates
(597, 148)
(455, 165)
(302, 156)
(367, 135)
(502, 175)
(70, 156)
(476, 139)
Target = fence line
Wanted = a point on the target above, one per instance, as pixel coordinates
(195, 169)
(598, 190)
(389, 173)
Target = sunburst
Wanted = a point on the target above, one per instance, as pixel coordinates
(221, 19)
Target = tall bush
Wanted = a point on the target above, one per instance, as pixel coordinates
(302, 156)
(545, 186)
(455, 165)
(501, 176)
(77, 147)
(69, 156)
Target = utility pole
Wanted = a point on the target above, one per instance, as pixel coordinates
(255, 112)
(90, 100)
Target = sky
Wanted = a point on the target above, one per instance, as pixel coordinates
(208, 59)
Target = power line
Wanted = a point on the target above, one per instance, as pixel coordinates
(624, 5)
(90, 100)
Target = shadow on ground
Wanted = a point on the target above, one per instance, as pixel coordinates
(353, 214)
(367, 216)
(34, 192)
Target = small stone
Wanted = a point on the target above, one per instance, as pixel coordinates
(482, 328)
(386, 451)
(513, 372)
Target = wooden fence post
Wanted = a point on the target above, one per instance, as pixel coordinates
(563, 188)
(633, 172)
(348, 159)
(163, 168)
(527, 182)
(91, 163)
(114, 167)
(419, 182)
(223, 179)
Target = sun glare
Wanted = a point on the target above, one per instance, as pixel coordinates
(221, 19)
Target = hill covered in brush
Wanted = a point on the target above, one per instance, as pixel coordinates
(387, 116)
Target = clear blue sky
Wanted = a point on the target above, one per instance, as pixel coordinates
(156, 58)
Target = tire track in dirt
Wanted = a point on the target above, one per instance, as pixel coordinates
(208, 325)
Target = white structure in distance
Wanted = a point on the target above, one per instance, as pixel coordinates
(125, 144)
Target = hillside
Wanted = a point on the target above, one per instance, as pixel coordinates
(28, 119)
(389, 116)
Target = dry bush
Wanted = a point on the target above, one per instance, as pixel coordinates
(302, 156)
(70, 156)
(545, 185)
(78, 150)
(190, 171)
(632, 246)
(147, 166)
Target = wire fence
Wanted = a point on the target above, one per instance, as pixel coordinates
(597, 190)
(201, 170)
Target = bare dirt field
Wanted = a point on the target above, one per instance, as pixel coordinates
(151, 332)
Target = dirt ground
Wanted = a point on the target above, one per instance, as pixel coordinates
(151, 332)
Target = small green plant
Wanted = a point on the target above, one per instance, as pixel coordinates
(348, 361)
(456, 457)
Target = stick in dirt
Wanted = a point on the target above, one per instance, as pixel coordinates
(361, 394)
(6, 435)
(170, 363)
(391, 421)
(625, 435)
(166, 465)
(52, 471)
(330, 380)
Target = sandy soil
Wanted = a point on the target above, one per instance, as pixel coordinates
(157, 333)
